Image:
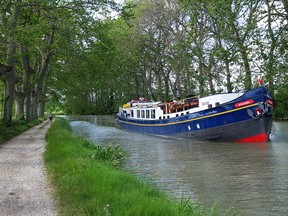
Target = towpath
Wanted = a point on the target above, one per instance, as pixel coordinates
(24, 188)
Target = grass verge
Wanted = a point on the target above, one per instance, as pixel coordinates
(87, 183)
(16, 128)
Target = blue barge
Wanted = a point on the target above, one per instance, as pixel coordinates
(228, 117)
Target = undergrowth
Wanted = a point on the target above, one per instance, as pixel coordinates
(15, 128)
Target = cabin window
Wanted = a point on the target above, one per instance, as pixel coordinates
(132, 113)
(138, 113)
(147, 113)
(182, 114)
(187, 112)
(177, 115)
(142, 114)
(163, 117)
(153, 113)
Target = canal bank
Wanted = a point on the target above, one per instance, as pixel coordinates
(85, 184)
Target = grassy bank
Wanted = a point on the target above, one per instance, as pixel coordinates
(16, 128)
(88, 181)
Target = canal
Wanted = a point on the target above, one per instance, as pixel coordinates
(250, 179)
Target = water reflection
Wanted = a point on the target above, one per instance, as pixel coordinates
(251, 178)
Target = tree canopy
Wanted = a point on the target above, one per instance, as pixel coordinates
(82, 57)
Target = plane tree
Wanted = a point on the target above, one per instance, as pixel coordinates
(33, 35)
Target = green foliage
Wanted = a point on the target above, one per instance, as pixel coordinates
(20, 117)
(15, 128)
(159, 50)
(153, 49)
(281, 97)
(114, 155)
(85, 186)
(40, 38)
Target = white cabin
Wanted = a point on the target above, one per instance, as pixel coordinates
(163, 110)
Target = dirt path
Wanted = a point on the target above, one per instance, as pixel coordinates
(24, 188)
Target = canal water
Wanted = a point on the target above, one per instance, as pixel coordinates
(249, 179)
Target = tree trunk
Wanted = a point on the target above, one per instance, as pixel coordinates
(166, 83)
(211, 86)
(241, 35)
(188, 84)
(248, 82)
(201, 80)
(11, 61)
(34, 107)
(229, 84)
(42, 79)
(159, 82)
(10, 86)
(271, 58)
(27, 106)
(9, 98)
(27, 72)
(19, 106)
(210, 74)
(244, 55)
(41, 103)
(201, 75)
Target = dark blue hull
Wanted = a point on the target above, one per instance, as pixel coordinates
(228, 122)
